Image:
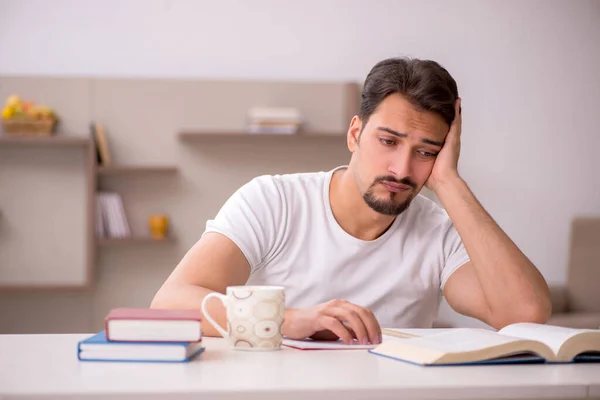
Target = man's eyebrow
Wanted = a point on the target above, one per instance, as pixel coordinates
(393, 132)
(433, 142)
(403, 135)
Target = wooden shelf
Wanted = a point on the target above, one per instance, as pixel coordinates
(105, 242)
(56, 141)
(195, 135)
(135, 169)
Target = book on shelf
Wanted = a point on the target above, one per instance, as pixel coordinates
(273, 120)
(147, 324)
(99, 348)
(274, 129)
(100, 141)
(110, 217)
(516, 343)
(274, 114)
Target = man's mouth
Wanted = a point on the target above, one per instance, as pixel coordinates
(395, 187)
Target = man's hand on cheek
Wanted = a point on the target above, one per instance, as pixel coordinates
(445, 167)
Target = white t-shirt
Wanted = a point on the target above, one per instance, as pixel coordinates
(285, 227)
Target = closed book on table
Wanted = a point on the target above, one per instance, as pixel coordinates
(153, 325)
(98, 348)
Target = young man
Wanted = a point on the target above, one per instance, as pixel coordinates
(358, 247)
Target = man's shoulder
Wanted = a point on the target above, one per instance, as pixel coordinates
(292, 183)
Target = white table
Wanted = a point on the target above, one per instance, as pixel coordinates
(46, 366)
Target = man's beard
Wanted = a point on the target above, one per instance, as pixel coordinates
(388, 206)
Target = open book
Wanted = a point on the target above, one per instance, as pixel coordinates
(523, 342)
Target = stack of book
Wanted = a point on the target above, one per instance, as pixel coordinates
(275, 120)
(111, 220)
(141, 334)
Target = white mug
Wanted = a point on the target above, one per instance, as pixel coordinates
(254, 316)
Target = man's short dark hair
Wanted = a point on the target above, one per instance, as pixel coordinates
(424, 83)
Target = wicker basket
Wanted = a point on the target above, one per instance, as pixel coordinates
(29, 127)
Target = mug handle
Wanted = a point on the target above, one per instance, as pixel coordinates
(214, 323)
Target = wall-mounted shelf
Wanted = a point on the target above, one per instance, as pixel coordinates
(57, 141)
(134, 169)
(106, 242)
(111, 97)
(199, 135)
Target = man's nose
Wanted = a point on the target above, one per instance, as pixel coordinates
(401, 165)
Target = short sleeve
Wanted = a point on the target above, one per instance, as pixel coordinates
(252, 218)
(455, 254)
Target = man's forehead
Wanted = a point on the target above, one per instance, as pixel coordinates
(410, 128)
(399, 114)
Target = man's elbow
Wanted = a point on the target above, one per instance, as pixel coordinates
(157, 301)
(537, 312)
(540, 309)
(162, 299)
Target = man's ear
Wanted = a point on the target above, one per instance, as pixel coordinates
(353, 135)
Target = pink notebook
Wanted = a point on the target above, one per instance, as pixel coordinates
(309, 344)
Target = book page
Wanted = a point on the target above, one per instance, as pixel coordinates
(552, 336)
(412, 332)
(460, 346)
(461, 340)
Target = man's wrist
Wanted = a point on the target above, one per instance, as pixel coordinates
(449, 188)
(287, 320)
(450, 181)
(452, 193)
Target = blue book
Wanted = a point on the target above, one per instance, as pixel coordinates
(516, 343)
(98, 348)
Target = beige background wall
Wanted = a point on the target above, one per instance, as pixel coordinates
(527, 72)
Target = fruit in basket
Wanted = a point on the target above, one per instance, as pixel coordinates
(13, 101)
(18, 112)
(46, 111)
(25, 118)
(16, 108)
(40, 112)
(35, 112)
(7, 112)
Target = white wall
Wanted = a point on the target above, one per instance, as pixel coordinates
(528, 72)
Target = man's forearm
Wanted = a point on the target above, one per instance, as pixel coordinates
(185, 296)
(512, 285)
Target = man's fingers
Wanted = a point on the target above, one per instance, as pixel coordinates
(369, 321)
(457, 123)
(336, 326)
(347, 314)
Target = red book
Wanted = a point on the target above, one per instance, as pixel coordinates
(153, 325)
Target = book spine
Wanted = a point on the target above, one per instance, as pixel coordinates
(120, 225)
(113, 223)
(120, 209)
(99, 217)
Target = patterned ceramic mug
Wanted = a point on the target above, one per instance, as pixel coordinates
(254, 316)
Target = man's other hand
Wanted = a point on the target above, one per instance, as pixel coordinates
(332, 320)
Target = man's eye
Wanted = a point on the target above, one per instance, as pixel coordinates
(427, 154)
(387, 142)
